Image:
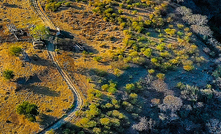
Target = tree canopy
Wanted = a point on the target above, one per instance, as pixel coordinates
(28, 109)
(15, 50)
(40, 32)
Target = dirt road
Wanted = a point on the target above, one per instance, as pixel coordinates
(78, 99)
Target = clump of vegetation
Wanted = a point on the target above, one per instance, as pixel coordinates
(169, 47)
(8, 74)
(28, 109)
(39, 32)
(111, 87)
(15, 50)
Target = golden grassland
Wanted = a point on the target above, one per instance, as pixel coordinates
(50, 92)
(18, 13)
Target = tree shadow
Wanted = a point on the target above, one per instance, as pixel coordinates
(35, 59)
(10, 5)
(43, 90)
(133, 74)
(70, 128)
(69, 43)
(30, 80)
(46, 120)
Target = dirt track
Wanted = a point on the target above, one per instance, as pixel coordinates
(78, 99)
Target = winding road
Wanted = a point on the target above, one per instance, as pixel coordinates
(78, 103)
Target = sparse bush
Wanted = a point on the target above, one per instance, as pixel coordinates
(180, 26)
(97, 58)
(189, 92)
(8, 74)
(105, 121)
(203, 30)
(171, 103)
(188, 67)
(148, 52)
(15, 50)
(144, 125)
(196, 19)
(151, 71)
(133, 97)
(96, 130)
(130, 87)
(128, 106)
(160, 76)
(184, 10)
(67, 4)
(134, 12)
(50, 132)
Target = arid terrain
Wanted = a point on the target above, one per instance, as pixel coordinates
(103, 67)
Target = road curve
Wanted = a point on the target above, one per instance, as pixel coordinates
(78, 103)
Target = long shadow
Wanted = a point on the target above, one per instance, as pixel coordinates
(70, 128)
(43, 90)
(31, 80)
(66, 41)
(35, 59)
(10, 5)
(46, 120)
(131, 75)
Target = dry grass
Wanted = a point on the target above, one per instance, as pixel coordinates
(50, 92)
(19, 13)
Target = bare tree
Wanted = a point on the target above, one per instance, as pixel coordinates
(171, 103)
(203, 30)
(184, 10)
(196, 19)
(144, 125)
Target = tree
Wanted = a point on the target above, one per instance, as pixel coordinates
(196, 19)
(203, 30)
(15, 50)
(97, 130)
(171, 103)
(184, 10)
(105, 121)
(40, 32)
(133, 97)
(67, 4)
(28, 109)
(144, 125)
(8, 74)
(130, 87)
(50, 132)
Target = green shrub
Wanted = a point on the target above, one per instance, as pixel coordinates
(27, 109)
(105, 121)
(8, 74)
(148, 52)
(105, 87)
(160, 76)
(67, 4)
(15, 50)
(120, 11)
(134, 12)
(130, 87)
(97, 58)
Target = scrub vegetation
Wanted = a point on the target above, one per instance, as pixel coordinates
(144, 66)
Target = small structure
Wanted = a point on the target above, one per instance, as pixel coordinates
(19, 34)
(38, 44)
